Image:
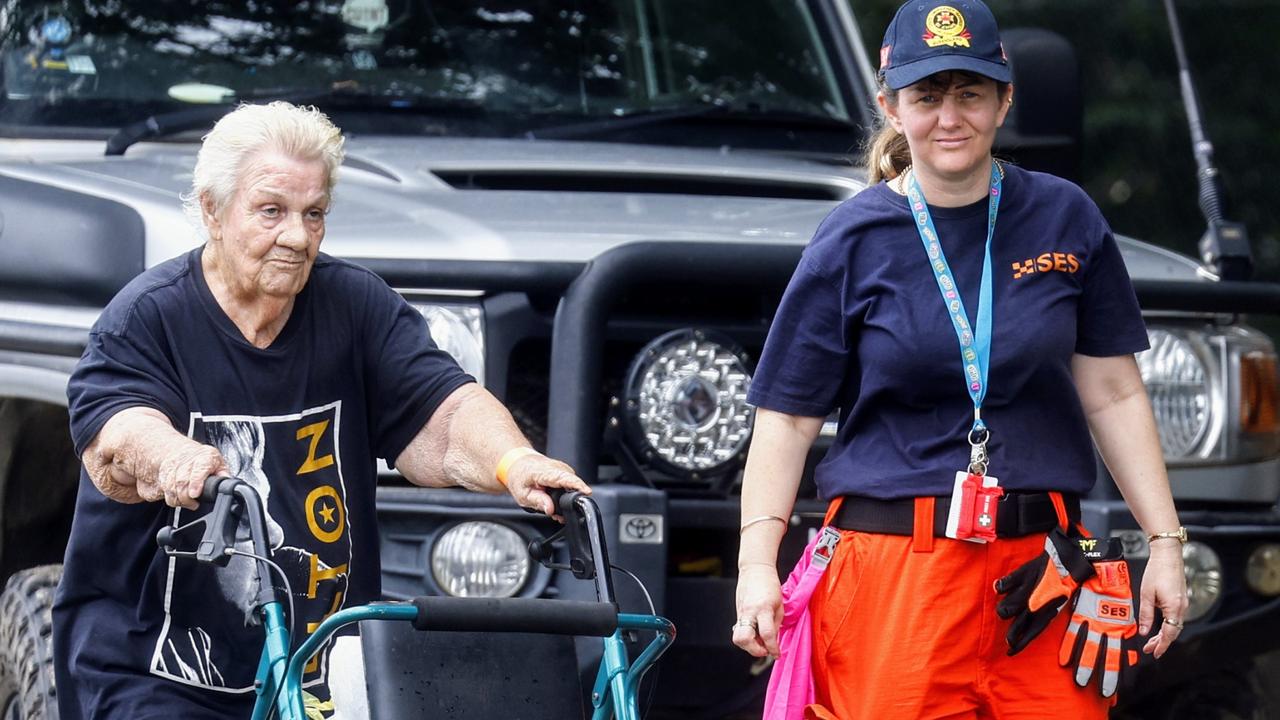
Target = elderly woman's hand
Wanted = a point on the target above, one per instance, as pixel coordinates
(529, 477)
(1164, 587)
(139, 457)
(181, 472)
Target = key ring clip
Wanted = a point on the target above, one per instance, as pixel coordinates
(978, 437)
(978, 460)
(979, 428)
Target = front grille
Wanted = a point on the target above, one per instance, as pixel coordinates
(527, 385)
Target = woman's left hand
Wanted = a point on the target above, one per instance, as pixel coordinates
(1164, 587)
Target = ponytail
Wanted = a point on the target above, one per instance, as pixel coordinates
(887, 154)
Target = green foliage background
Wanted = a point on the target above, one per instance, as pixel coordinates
(1137, 160)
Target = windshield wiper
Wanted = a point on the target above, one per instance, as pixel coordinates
(163, 124)
(727, 113)
(170, 123)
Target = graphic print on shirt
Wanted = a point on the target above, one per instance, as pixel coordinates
(208, 639)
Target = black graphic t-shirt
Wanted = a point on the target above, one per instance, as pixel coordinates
(352, 377)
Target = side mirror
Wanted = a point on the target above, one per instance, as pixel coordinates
(1045, 125)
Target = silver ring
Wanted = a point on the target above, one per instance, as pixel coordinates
(745, 622)
(1174, 623)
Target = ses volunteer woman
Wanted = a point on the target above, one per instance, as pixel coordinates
(922, 311)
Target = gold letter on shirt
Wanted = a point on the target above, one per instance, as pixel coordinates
(313, 463)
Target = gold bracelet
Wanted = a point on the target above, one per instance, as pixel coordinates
(758, 520)
(1180, 535)
(509, 459)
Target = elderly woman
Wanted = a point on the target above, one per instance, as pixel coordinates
(254, 355)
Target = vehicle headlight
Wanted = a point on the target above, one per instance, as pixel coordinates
(1262, 572)
(1204, 578)
(687, 402)
(458, 330)
(480, 559)
(1179, 387)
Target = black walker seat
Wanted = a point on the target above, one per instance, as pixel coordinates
(474, 675)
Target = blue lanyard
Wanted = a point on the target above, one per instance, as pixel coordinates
(975, 345)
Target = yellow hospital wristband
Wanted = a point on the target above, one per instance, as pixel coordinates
(510, 459)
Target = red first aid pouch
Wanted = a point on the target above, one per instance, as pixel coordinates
(975, 502)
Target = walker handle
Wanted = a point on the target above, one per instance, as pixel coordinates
(528, 615)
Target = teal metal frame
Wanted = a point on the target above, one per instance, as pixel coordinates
(272, 666)
(615, 693)
(617, 685)
(278, 683)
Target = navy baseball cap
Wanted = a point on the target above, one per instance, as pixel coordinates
(936, 35)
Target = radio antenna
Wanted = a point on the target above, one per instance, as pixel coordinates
(1224, 248)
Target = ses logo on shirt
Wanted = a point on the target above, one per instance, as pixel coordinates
(1046, 262)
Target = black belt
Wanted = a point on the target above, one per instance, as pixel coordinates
(1019, 514)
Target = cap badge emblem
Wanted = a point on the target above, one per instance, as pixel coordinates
(944, 25)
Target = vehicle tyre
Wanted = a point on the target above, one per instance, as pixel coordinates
(26, 645)
(1244, 690)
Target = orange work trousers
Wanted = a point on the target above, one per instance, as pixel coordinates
(909, 632)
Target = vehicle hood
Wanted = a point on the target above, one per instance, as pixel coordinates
(467, 199)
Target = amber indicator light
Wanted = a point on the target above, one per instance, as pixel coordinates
(1259, 393)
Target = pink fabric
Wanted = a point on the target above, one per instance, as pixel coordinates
(791, 681)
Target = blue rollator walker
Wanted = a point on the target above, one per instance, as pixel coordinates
(279, 679)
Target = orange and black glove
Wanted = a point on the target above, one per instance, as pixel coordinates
(1036, 591)
(1103, 620)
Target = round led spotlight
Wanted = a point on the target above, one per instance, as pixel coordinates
(687, 409)
(480, 559)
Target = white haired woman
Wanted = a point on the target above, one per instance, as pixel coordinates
(329, 366)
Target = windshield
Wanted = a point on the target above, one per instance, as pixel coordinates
(496, 67)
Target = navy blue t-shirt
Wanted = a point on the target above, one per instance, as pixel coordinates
(353, 376)
(863, 328)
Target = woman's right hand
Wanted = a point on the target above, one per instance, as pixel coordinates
(137, 456)
(760, 603)
(182, 468)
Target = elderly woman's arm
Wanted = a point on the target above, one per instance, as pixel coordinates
(138, 456)
(466, 438)
(1124, 430)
